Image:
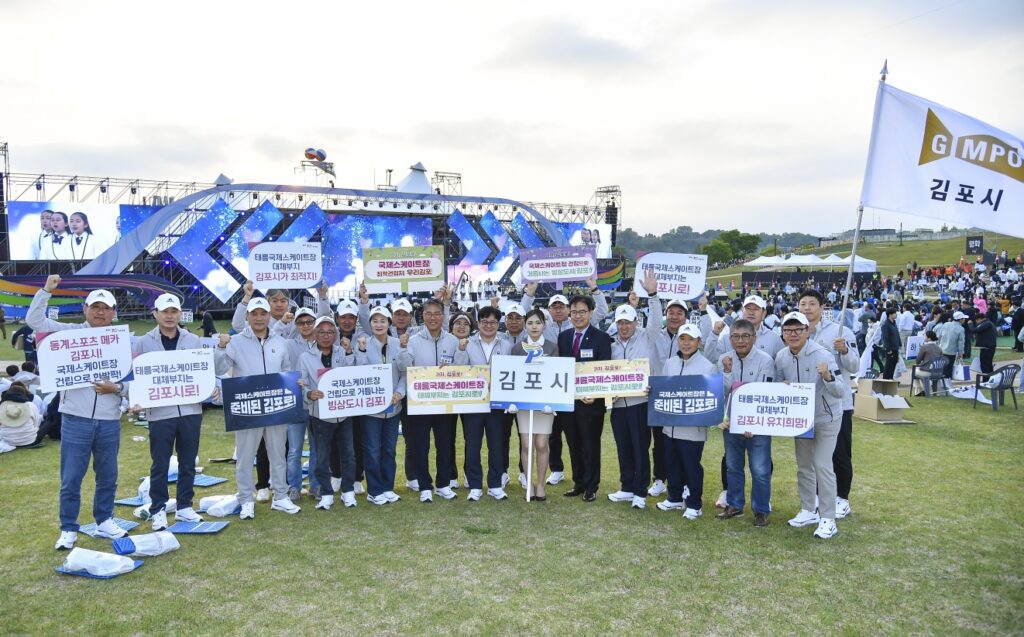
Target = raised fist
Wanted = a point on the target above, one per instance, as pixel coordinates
(823, 370)
(531, 289)
(247, 291)
(346, 344)
(403, 340)
(323, 290)
(634, 300)
(287, 318)
(463, 343)
(362, 342)
(718, 327)
(223, 340)
(52, 282)
(727, 364)
(364, 296)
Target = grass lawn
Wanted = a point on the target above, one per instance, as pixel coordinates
(934, 546)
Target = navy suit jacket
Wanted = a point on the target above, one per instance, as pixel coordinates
(600, 345)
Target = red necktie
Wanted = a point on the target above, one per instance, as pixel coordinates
(576, 344)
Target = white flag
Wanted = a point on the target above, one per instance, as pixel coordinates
(931, 161)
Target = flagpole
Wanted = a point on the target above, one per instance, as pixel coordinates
(860, 209)
(529, 456)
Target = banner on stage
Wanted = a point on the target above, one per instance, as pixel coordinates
(558, 264)
(680, 276)
(931, 161)
(773, 409)
(612, 379)
(69, 359)
(355, 391)
(177, 377)
(286, 264)
(403, 270)
(533, 382)
(914, 344)
(452, 389)
(262, 400)
(686, 401)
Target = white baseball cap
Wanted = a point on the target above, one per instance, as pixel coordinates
(165, 301)
(402, 305)
(679, 303)
(510, 307)
(795, 316)
(380, 310)
(957, 316)
(688, 329)
(257, 303)
(304, 311)
(100, 296)
(756, 300)
(625, 312)
(558, 298)
(347, 307)
(324, 319)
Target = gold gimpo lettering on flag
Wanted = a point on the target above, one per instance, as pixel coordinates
(985, 151)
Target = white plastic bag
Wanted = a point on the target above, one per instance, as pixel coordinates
(154, 543)
(144, 490)
(97, 562)
(224, 508)
(206, 502)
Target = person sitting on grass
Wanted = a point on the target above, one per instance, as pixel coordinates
(19, 418)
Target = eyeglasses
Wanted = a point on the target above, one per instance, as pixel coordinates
(793, 331)
(432, 314)
(303, 323)
(741, 337)
(488, 322)
(325, 333)
(579, 312)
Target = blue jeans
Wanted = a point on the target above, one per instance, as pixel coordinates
(296, 441)
(182, 434)
(380, 438)
(83, 439)
(474, 426)
(759, 449)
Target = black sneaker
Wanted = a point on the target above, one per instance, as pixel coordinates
(760, 520)
(729, 513)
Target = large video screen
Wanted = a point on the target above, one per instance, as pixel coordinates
(59, 231)
(598, 235)
(345, 236)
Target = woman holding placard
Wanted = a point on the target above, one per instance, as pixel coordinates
(380, 431)
(542, 420)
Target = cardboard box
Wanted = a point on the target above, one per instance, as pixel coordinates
(887, 408)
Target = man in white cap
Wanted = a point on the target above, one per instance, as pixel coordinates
(629, 415)
(303, 341)
(281, 317)
(253, 352)
(91, 426)
(171, 428)
(804, 361)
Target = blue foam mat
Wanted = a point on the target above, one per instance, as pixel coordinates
(137, 501)
(90, 529)
(61, 569)
(199, 528)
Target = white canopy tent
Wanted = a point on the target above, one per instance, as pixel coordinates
(812, 261)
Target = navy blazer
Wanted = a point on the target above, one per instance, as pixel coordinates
(600, 345)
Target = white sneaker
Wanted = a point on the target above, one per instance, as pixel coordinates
(159, 520)
(504, 480)
(285, 505)
(325, 503)
(349, 498)
(66, 541)
(263, 495)
(620, 496)
(669, 505)
(826, 529)
(842, 508)
(248, 511)
(358, 489)
(639, 502)
(692, 514)
(445, 492)
(426, 496)
(556, 477)
(336, 484)
(187, 515)
(722, 502)
(110, 530)
(497, 494)
(804, 518)
(391, 496)
(413, 485)
(522, 480)
(475, 494)
(453, 484)
(657, 488)
(379, 500)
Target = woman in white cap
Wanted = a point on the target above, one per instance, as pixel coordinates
(19, 418)
(380, 431)
(684, 446)
(91, 424)
(174, 428)
(253, 352)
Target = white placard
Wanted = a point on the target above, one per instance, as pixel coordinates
(680, 276)
(53, 313)
(772, 409)
(355, 391)
(533, 382)
(187, 316)
(914, 344)
(286, 264)
(69, 359)
(177, 377)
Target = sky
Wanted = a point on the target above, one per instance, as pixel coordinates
(749, 115)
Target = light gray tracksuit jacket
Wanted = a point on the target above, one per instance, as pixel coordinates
(150, 342)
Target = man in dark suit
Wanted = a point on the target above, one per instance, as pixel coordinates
(583, 427)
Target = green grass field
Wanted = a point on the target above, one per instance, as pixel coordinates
(934, 546)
